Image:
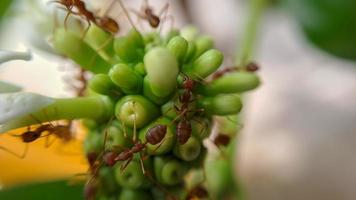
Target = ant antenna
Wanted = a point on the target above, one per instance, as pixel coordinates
(108, 8)
(127, 14)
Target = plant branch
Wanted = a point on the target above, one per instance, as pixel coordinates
(94, 107)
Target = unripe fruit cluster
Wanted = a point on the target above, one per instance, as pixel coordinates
(145, 76)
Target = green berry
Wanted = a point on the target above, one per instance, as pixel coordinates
(132, 176)
(102, 84)
(131, 47)
(178, 46)
(205, 65)
(129, 194)
(221, 104)
(126, 78)
(102, 41)
(71, 45)
(135, 109)
(203, 44)
(162, 71)
(188, 151)
(234, 82)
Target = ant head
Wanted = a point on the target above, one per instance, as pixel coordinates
(222, 140)
(188, 84)
(148, 11)
(30, 136)
(109, 158)
(91, 157)
(252, 67)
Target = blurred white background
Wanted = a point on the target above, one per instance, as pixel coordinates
(299, 136)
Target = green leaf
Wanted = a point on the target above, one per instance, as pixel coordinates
(6, 87)
(329, 24)
(57, 190)
(4, 5)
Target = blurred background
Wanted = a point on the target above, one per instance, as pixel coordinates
(299, 133)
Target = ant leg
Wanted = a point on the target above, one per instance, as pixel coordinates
(145, 4)
(169, 18)
(66, 19)
(106, 132)
(108, 8)
(139, 17)
(127, 14)
(22, 156)
(123, 167)
(163, 12)
(160, 144)
(48, 142)
(86, 29)
(105, 43)
(141, 163)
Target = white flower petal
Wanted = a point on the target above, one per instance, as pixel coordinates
(6, 56)
(13, 105)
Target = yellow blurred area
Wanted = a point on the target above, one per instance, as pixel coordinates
(60, 160)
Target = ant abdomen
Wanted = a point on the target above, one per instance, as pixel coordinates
(156, 134)
(184, 131)
(154, 21)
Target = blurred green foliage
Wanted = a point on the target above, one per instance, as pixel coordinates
(58, 190)
(4, 5)
(329, 24)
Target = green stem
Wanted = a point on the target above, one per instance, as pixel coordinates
(251, 27)
(94, 107)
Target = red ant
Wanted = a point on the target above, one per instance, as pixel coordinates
(61, 131)
(90, 188)
(146, 13)
(153, 136)
(106, 23)
(221, 140)
(250, 67)
(184, 127)
(26, 137)
(82, 11)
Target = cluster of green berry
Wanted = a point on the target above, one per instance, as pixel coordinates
(163, 102)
